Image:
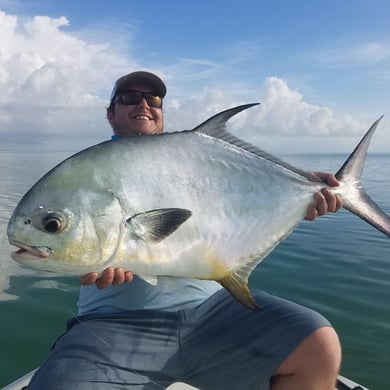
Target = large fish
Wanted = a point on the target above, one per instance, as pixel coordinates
(200, 204)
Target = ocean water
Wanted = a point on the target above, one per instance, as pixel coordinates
(338, 265)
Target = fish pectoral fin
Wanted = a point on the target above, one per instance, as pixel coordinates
(151, 279)
(156, 225)
(239, 289)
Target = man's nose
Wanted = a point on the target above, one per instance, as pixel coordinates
(143, 103)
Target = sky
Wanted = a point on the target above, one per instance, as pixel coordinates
(321, 70)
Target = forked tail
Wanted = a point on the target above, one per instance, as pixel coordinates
(356, 200)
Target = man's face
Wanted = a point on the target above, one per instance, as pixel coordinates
(128, 120)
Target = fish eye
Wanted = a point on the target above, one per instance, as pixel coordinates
(50, 221)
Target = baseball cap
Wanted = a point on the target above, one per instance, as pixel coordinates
(140, 76)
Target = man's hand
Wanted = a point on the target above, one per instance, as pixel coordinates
(325, 200)
(110, 276)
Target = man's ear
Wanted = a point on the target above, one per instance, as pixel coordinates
(110, 114)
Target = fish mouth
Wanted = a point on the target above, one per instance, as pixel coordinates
(26, 252)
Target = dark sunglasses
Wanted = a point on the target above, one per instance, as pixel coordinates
(134, 97)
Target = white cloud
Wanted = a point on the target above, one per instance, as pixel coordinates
(52, 81)
(283, 111)
(283, 123)
(56, 83)
(352, 55)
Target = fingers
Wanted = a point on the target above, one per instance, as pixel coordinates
(88, 279)
(327, 202)
(328, 178)
(318, 208)
(110, 276)
(106, 278)
(312, 212)
(324, 201)
(333, 201)
(128, 276)
(339, 203)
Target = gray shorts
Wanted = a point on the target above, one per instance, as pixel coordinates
(219, 345)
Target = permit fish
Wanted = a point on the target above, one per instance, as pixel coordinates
(198, 203)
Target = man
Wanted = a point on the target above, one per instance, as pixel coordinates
(136, 336)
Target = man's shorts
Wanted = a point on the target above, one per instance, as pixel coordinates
(218, 345)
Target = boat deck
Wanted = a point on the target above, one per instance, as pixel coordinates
(342, 384)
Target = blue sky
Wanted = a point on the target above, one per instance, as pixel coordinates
(321, 70)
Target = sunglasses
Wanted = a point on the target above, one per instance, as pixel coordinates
(134, 97)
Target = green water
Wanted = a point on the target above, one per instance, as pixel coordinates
(337, 265)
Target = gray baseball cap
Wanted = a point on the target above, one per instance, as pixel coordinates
(140, 76)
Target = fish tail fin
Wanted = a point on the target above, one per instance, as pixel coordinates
(355, 199)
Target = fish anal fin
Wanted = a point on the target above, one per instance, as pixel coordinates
(239, 289)
(156, 225)
(150, 279)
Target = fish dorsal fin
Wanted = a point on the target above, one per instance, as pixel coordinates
(156, 225)
(216, 127)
